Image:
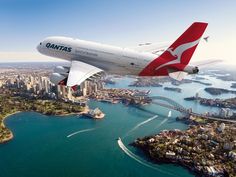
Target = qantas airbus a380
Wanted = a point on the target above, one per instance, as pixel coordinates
(90, 59)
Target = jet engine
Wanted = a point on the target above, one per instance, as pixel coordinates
(61, 69)
(60, 75)
(58, 79)
(191, 69)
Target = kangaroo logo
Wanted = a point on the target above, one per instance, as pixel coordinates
(177, 52)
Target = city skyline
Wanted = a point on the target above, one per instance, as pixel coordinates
(25, 23)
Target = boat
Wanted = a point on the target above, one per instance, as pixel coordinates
(169, 114)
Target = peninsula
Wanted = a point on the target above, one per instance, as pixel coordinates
(218, 91)
(174, 89)
(220, 103)
(188, 81)
(207, 149)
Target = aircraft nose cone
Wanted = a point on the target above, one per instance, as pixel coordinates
(39, 47)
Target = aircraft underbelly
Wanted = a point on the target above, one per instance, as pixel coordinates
(115, 65)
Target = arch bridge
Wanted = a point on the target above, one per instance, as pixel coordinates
(171, 104)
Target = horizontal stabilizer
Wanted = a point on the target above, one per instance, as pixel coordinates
(179, 75)
(155, 48)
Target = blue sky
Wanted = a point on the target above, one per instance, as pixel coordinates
(24, 23)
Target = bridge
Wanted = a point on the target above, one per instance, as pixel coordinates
(171, 104)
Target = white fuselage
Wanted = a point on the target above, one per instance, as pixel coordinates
(114, 60)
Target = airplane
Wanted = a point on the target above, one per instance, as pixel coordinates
(90, 59)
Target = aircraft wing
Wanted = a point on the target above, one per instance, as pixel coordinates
(75, 75)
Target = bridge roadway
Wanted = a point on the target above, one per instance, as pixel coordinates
(176, 106)
(171, 107)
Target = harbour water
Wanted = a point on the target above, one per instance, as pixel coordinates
(41, 147)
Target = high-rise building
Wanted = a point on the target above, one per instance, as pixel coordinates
(18, 81)
(32, 80)
(69, 94)
(86, 88)
(45, 84)
(83, 88)
(28, 86)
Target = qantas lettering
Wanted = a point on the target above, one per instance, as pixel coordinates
(58, 47)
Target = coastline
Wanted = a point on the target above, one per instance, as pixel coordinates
(207, 146)
(11, 136)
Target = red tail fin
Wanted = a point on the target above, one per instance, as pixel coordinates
(178, 55)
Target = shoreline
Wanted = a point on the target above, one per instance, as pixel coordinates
(11, 135)
(4, 140)
(169, 146)
(164, 161)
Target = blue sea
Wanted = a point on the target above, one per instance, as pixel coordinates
(72, 146)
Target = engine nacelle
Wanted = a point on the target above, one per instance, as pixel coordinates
(191, 69)
(61, 69)
(59, 79)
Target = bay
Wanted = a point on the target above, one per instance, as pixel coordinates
(41, 146)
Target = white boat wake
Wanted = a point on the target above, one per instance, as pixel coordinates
(142, 123)
(164, 120)
(80, 131)
(136, 158)
(132, 155)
